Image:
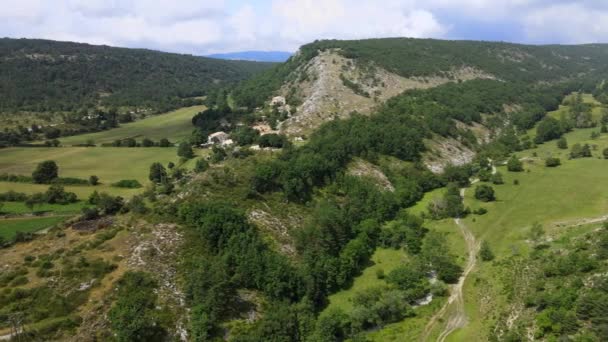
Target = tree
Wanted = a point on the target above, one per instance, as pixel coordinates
(485, 252)
(164, 142)
(129, 142)
(552, 162)
(484, 193)
(579, 151)
(45, 172)
(93, 180)
(562, 143)
(158, 173)
(185, 150)
(514, 164)
(497, 178)
(548, 129)
(147, 142)
(201, 165)
(605, 153)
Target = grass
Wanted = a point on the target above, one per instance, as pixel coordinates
(110, 164)
(175, 126)
(10, 227)
(548, 196)
(383, 259)
(21, 208)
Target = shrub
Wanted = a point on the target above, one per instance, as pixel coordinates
(514, 164)
(562, 143)
(185, 150)
(552, 162)
(485, 252)
(201, 165)
(93, 180)
(128, 184)
(484, 193)
(480, 211)
(497, 178)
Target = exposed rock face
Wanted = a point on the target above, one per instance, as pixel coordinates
(362, 168)
(331, 86)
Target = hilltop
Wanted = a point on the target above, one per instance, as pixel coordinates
(43, 75)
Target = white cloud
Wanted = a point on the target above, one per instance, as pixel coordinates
(572, 23)
(206, 26)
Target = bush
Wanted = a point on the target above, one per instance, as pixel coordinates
(485, 252)
(185, 150)
(605, 153)
(514, 164)
(201, 165)
(562, 143)
(497, 178)
(273, 140)
(579, 151)
(93, 180)
(552, 162)
(484, 193)
(480, 211)
(128, 184)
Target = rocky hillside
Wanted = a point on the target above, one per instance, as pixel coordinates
(327, 80)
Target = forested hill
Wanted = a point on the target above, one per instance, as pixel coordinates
(44, 75)
(419, 58)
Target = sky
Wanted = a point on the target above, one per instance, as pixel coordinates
(203, 27)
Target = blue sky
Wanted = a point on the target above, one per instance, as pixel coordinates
(212, 26)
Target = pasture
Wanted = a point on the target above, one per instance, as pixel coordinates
(175, 126)
(110, 164)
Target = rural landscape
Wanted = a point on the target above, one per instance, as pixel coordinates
(378, 189)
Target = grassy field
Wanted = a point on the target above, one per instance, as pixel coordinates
(17, 208)
(174, 126)
(9, 227)
(554, 197)
(383, 259)
(110, 164)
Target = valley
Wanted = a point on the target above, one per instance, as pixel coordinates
(343, 195)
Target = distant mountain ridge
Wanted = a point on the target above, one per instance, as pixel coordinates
(44, 75)
(255, 56)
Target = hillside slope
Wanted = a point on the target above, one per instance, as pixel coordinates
(330, 79)
(44, 75)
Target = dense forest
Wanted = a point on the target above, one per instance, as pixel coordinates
(42, 75)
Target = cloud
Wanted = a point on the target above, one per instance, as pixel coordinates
(209, 26)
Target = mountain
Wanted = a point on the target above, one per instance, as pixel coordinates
(257, 56)
(44, 75)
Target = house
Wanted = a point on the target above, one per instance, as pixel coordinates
(218, 138)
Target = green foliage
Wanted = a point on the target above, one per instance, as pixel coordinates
(45, 172)
(485, 253)
(134, 317)
(158, 173)
(485, 193)
(450, 205)
(128, 184)
(131, 77)
(201, 165)
(548, 129)
(185, 150)
(580, 151)
(497, 178)
(93, 180)
(245, 135)
(514, 164)
(552, 162)
(273, 140)
(562, 143)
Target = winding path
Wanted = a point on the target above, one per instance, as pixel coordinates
(453, 311)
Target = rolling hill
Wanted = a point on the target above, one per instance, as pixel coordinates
(43, 75)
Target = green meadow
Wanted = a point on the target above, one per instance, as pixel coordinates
(175, 126)
(10, 227)
(110, 164)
